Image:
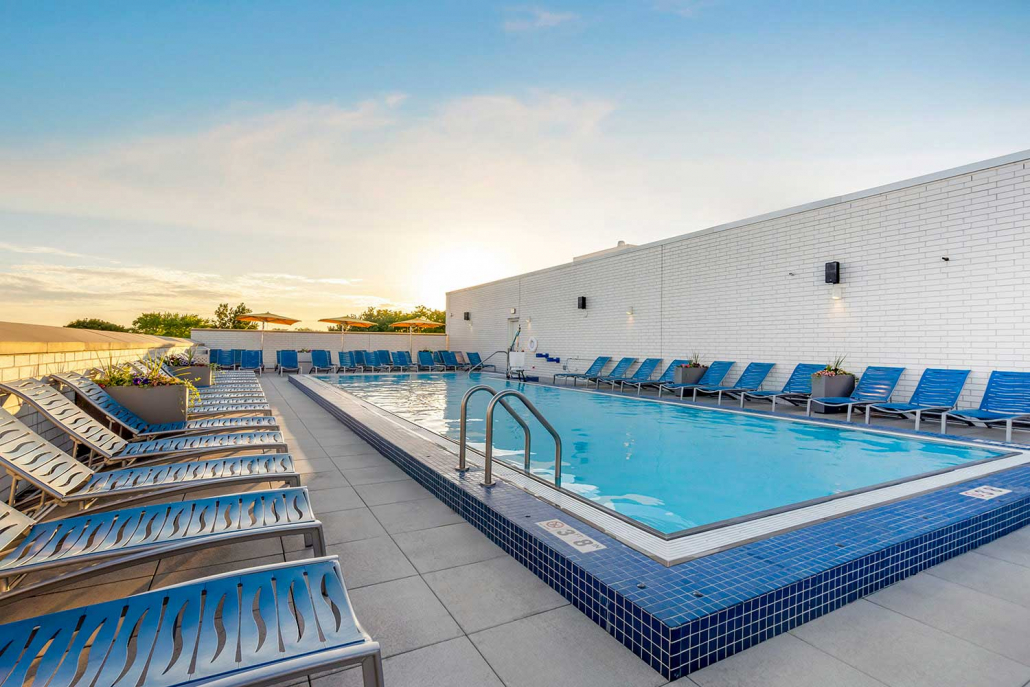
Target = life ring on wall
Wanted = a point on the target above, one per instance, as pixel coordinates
(532, 344)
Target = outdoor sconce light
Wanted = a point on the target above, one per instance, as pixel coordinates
(512, 311)
(630, 311)
(581, 303)
(467, 316)
(836, 292)
(832, 272)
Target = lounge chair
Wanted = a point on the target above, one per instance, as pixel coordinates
(288, 362)
(476, 362)
(278, 360)
(60, 479)
(618, 372)
(426, 362)
(797, 388)
(1006, 400)
(237, 357)
(346, 362)
(402, 361)
(643, 374)
(937, 392)
(750, 380)
(438, 359)
(212, 356)
(591, 373)
(96, 543)
(666, 377)
(260, 626)
(385, 360)
(450, 360)
(251, 360)
(874, 386)
(715, 373)
(320, 360)
(112, 449)
(123, 418)
(226, 359)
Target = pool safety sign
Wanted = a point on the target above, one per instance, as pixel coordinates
(571, 536)
(986, 493)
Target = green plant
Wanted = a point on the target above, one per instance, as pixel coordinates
(151, 375)
(694, 361)
(96, 324)
(834, 368)
(186, 359)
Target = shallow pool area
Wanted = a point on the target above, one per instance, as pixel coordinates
(671, 467)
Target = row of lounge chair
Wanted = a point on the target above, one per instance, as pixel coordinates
(379, 361)
(1006, 400)
(214, 630)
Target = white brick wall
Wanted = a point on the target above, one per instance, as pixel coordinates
(754, 290)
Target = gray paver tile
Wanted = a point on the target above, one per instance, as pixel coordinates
(561, 647)
(334, 499)
(454, 663)
(408, 516)
(446, 547)
(364, 459)
(350, 525)
(989, 575)
(903, 652)
(317, 481)
(783, 661)
(403, 615)
(371, 561)
(379, 473)
(489, 593)
(392, 492)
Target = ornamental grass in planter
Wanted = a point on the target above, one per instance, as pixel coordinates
(832, 381)
(186, 367)
(152, 395)
(690, 372)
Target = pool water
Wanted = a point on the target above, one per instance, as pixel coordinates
(668, 466)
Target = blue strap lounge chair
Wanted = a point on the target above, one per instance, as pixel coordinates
(451, 361)
(278, 360)
(1006, 401)
(251, 360)
(264, 625)
(750, 380)
(715, 373)
(237, 357)
(620, 370)
(476, 362)
(125, 420)
(643, 374)
(345, 361)
(402, 361)
(427, 362)
(226, 360)
(112, 449)
(408, 362)
(665, 378)
(591, 373)
(937, 392)
(288, 362)
(385, 360)
(372, 361)
(96, 543)
(55, 478)
(212, 355)
(321, 360)
(875, 386)
(797, 388)
(438, 359)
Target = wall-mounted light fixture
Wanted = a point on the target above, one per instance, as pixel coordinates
(529, 320)
(629, 311)
(832, 272)
(467, 315)
(512, 311)
(581, 303)
(836, 292)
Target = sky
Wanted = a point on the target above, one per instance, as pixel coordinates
(314, 158)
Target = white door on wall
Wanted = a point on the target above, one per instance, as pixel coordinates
(513, 328)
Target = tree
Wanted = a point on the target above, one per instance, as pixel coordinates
(96, 324)
(225, 317)
(384, 317)
(168, 324)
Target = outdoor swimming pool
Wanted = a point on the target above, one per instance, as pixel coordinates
(668, 466)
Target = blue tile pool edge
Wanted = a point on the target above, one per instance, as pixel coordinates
(739, 597)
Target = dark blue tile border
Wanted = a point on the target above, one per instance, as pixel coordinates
(683, 618)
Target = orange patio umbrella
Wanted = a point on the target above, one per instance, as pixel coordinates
(346, 323)
(264, 318)
(417, 323)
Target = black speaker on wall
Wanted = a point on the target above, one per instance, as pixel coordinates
(468, 315)
(581, 303)
(833, 273)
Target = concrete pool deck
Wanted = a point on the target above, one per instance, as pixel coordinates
(451, 608)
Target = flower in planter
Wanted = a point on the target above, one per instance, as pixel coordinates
(834, 368)
(153, 376)
(695, 360)
(184, 360)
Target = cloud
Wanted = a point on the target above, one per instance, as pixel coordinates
(535, 18)
(684, 8)
(46, 250)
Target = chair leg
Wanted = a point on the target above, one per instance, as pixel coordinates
(868, 408)
(719, 399)
(694, 399)
(808, 409)
(372, 671)
(919, 418)
(849, 412)
(944, 423)
(1008, 430)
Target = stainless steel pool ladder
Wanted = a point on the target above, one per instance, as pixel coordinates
(482, 362)
(496, 398)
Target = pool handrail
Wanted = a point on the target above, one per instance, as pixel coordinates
(488, 480)
(463, 425)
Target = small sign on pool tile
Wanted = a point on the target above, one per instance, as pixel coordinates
(571, 536)
(986, 493)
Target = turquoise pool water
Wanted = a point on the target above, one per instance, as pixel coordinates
(668, 466)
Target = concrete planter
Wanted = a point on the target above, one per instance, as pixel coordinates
(156, 404)
(689, 375)
(200, 375)
(839, 385)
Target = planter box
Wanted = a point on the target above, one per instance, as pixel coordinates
(155, 405)
(688, 375)
(200, 375)
(841, 385)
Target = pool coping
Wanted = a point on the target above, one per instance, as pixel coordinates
(683, 618)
